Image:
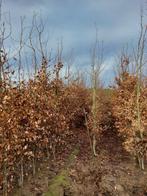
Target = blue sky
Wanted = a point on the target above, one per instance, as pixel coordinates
(74, 21)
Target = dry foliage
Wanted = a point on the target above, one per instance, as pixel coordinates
(125, 112)
(35, 118)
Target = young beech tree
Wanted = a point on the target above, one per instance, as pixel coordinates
(94, 118)
(130, 102)
(130, 124)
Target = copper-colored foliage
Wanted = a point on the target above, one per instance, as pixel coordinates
(34, 118)
(125, 112)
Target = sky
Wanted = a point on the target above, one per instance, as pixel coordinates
(75, 22)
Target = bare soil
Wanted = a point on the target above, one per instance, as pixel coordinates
(75, 172)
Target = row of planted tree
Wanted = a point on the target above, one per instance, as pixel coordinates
(35, 119)
(130, 112)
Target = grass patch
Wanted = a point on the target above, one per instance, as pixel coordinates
(57, 185)
(61, 181)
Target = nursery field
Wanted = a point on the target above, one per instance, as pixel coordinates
(59, 139)
(65, 132)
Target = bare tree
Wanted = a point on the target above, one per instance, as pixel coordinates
(5, 32)
(139, 56)
(96, 68)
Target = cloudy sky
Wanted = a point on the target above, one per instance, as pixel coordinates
(74, 21)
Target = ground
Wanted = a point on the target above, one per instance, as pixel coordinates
(75, 172)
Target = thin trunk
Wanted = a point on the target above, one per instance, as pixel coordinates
(34, 165)
(94, 111)
(21, 172)
(94, 145)
(5, 181)
(86, 121)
